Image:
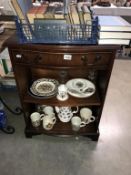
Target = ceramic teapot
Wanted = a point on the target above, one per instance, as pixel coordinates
(65, 113)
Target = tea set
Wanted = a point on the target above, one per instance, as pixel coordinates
(47, 114)
(76, 87)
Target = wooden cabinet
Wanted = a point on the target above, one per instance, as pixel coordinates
(62, 62)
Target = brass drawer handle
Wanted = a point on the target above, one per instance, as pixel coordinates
(84, 59)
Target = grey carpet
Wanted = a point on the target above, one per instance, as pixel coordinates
(49, 155)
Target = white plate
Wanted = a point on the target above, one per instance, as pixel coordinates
(80, 87)
(44, 87)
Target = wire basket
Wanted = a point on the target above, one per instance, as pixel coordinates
(57, 33)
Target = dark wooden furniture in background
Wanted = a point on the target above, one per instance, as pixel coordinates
(33, 61)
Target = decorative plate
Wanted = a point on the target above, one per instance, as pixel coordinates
(44, 87)
(80, 87)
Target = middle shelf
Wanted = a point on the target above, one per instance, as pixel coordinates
(72, 101)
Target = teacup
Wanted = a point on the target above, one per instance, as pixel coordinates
(48, 122)
(86, 115)
(77, 123)
(48, 110)
(36, 118)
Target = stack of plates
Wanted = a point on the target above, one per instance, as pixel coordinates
(44, 87)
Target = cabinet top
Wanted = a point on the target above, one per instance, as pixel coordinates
(13, 43)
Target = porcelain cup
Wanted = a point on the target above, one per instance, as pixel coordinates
(48, 110)
(86, 115)
(36, 118)
(48, 122)
(77, 123)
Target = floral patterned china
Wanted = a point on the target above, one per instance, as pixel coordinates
(80, 87)
(44, 87)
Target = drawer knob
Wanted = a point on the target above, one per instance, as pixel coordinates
(18, 56)
(38, 58)
(97, 58)
(84, 59)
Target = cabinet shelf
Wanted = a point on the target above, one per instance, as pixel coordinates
(61, 128)
(72, 101)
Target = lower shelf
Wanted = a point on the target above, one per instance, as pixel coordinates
(63, 129)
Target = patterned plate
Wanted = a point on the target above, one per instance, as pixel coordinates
(80, 87)
(44, 87)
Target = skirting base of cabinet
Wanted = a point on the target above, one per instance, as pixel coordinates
(92, 136)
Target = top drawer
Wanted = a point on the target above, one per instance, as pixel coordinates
(62, 59)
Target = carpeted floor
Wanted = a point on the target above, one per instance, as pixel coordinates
(47, 155)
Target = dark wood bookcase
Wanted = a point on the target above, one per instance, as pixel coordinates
(33, 61)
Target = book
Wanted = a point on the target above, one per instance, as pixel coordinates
(74, 18)
(69, 14)
(50, 30)
(113, 23)
(59, 12)
(5, 66)
(82, 21)
(25, 5)
(80, 13)
(117, 35)
(69, 31)
(86, 14)
(17, 9)
(8, 82)
(2, 71)
(87, 20)
(2, 28)
(5, 54)
(49, 14)
(59, 9)
(9, 75)
(21, 7)
(41, 11)
(74, 14)
(9, 65)
(31, 14)
(114, 41)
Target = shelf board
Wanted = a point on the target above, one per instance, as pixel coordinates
(61, 128)
(72, 101)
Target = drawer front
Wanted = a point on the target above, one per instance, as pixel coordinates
(60, 59)
(23, 57)
(98, 58)
(89, 59)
